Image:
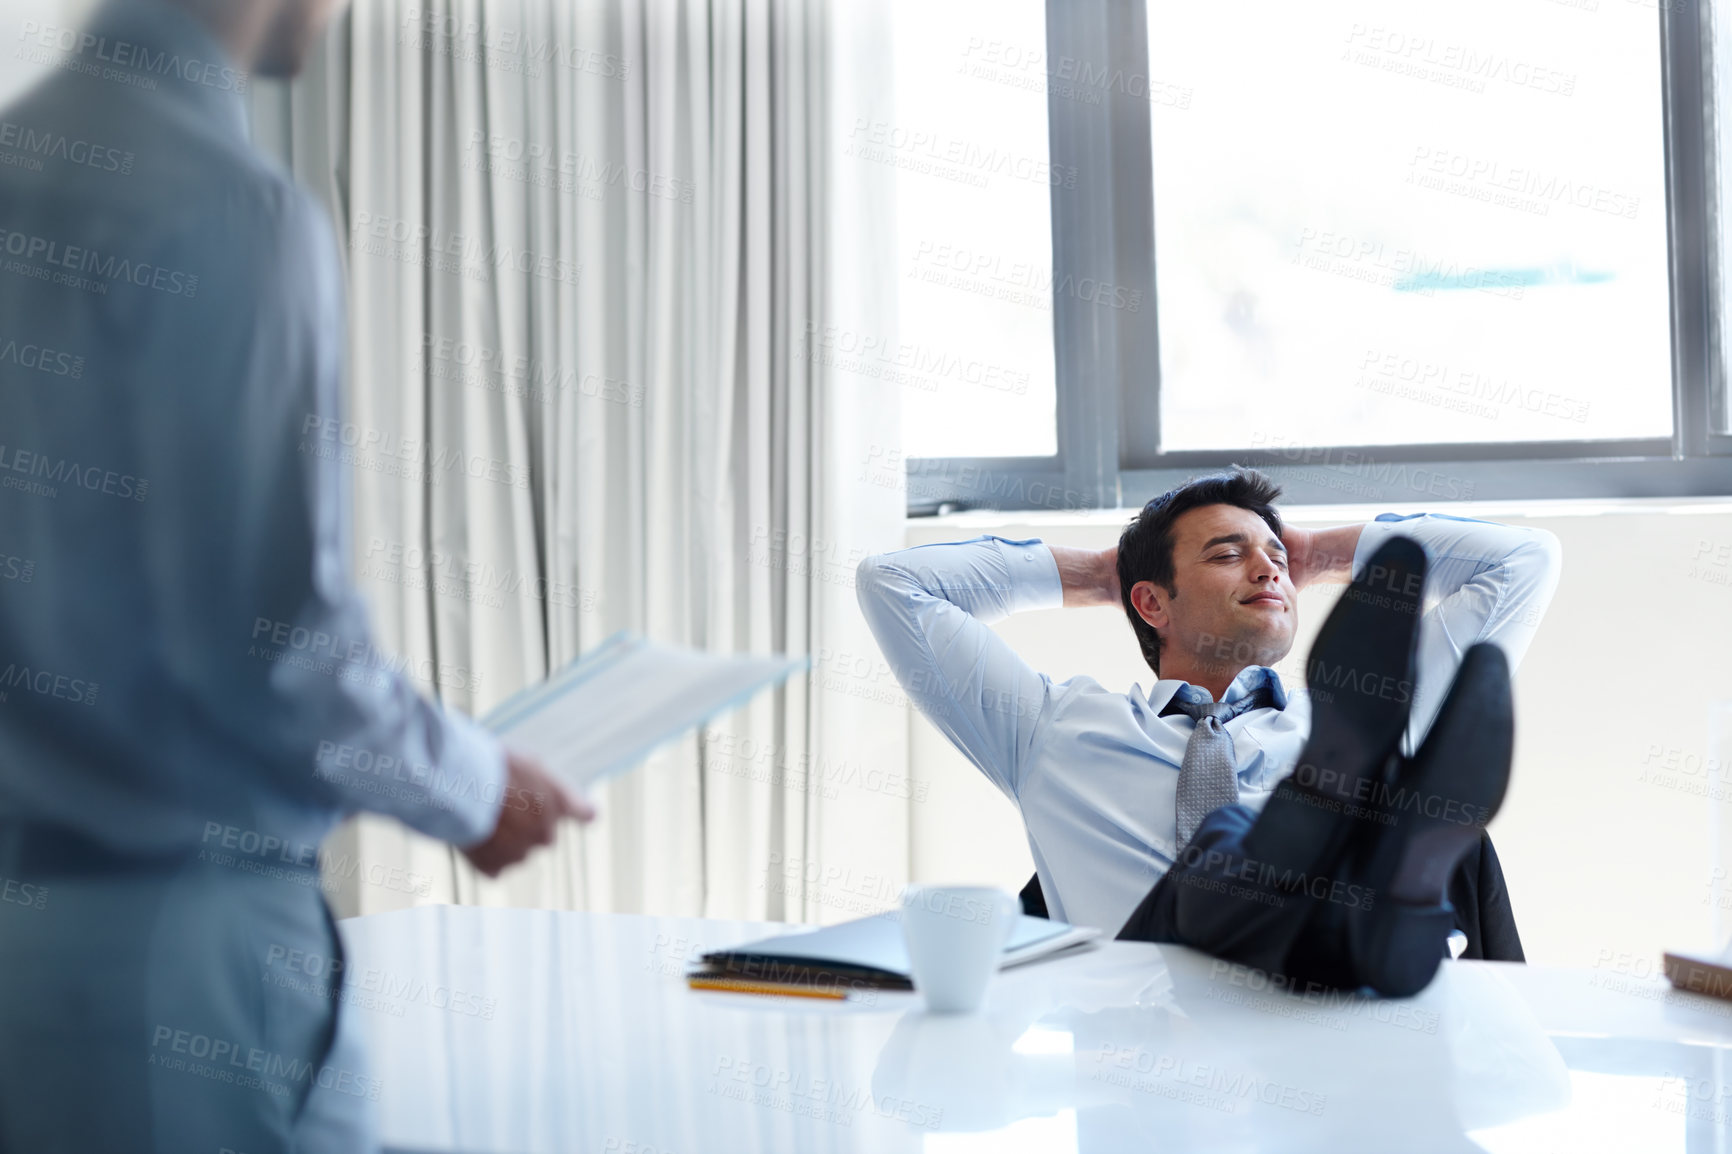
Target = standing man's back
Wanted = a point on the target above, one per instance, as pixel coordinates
(186, 302)
(190, 697)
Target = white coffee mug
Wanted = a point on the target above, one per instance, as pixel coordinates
(955, 937)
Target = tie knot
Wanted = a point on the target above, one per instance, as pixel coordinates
(1222, 711)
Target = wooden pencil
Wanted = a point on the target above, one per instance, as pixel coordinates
(745, 986)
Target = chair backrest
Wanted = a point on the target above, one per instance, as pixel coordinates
(1033, 900)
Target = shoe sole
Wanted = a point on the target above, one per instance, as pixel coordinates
(1451, 788)
(1360, 678)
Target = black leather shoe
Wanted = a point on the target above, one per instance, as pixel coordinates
(1426, 821)
(1360, 678)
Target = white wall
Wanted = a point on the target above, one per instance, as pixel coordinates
(1636, 646)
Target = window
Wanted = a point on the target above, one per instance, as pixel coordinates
(974, 341)
(1437, 223)
(1448, 252)
(1719, 134)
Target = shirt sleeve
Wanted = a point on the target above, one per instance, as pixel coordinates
(930, 609)
(269, 633)
(1485, 582)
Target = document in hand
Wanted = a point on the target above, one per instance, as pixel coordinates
(614, 706)
(868, 953)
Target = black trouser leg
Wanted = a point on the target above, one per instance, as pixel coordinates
(1217, 899)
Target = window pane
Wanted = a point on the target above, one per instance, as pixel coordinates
(1720, 135)
(974, 348)
(1434, 222)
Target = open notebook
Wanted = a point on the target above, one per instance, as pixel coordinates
(614, 706)
(868, 953)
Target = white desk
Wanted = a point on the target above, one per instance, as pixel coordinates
(520, 1031)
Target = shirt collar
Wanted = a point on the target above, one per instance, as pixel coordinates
(1258, 677)
(1250, 679)
(168, 45)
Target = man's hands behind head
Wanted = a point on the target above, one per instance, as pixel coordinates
(535, 802)
(1089, 576)
(1320, 556)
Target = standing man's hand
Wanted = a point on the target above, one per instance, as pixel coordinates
(535, 802)
(1090, 577)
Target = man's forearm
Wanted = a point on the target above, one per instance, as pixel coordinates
(1322, 556)
(930, 609)
(1090, 576)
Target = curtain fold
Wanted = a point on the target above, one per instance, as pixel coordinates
(588, 243)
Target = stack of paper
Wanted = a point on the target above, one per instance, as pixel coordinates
(614, 706)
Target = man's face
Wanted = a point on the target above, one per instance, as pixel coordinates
(1233, 603)
(292, 35)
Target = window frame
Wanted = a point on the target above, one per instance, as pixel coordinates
(1109, 453)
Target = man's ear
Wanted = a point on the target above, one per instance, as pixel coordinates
(1150, 602)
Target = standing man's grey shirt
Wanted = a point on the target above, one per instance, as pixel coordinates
(184, 662)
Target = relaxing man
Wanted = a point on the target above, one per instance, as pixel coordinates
(1208, 577)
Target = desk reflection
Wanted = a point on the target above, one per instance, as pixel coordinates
(523, 1031)
(1180, 1049)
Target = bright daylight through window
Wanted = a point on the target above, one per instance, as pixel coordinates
(1449, 225)
(974, 350)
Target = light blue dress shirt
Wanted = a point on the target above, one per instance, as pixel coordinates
(184, 661)
(1095, 773)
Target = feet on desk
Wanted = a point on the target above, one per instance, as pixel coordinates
(1431, 816)
(1360, 676)
(1355, 811)
(1407, 840)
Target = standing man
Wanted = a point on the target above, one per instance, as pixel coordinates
(190, 697)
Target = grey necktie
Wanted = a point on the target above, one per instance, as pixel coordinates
(1207, 777)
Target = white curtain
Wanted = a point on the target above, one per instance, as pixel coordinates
(588, 242)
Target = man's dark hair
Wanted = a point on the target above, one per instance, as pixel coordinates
(1146, 545)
